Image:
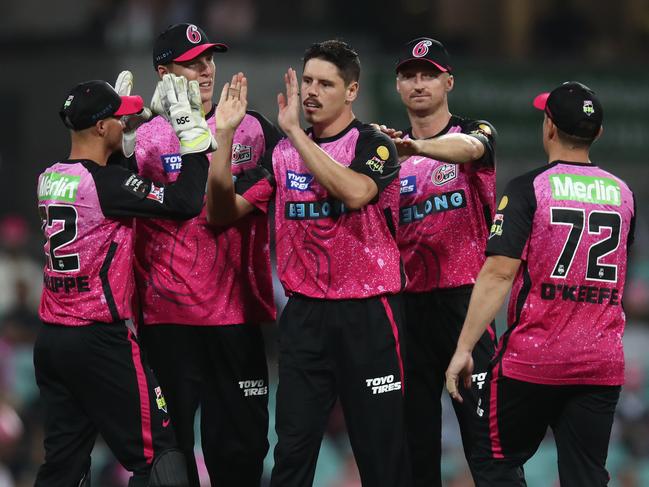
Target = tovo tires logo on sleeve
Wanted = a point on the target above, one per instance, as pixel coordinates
(171, 163)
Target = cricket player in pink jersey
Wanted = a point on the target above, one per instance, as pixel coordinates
(448, 193)
(336, 196)
(89, 368)
(560, 241)
(204, 289)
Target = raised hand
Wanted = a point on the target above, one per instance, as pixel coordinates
(130, 123)
(289, 104)
(232, 104)
(406, 147)
(186, 114)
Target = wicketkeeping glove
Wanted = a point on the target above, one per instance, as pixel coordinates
(123, 87)
(186, 114)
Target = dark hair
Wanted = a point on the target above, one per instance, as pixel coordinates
(575, 141)
(339, 54)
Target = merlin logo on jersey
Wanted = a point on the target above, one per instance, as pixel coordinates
(409, 185)
(255, 387)
(59, 187)
(497, 225)
(436, 203)
(171, 162)
(585, 189)
(379, 385)
(241, 153)
(444, 173)
(160, 399)
(298, 182)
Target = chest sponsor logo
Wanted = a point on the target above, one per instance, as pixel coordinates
(298, 182)
(497, 225)
(444, 173)
(409, 185)
(380, 385)
(241, 153)
(59, 187)
(437, 203)
(585, 189)
(171, 162)
(313, 210)
(156, 193)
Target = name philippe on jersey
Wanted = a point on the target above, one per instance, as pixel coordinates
(67, 284)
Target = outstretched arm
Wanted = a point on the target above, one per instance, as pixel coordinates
(354, 189)
(224, 206)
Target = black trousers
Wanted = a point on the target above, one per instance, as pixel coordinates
(92, 380)
(348, 349)
(223, 370)
(519, 413)
(433, 322)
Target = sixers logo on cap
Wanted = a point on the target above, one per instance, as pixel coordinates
(193, 35)
(421, 48)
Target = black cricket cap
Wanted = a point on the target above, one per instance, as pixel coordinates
(574, 108)
(91, 101)
(426, 49)
(182, 42)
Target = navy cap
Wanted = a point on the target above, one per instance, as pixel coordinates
(425, 49)
(574, 108)
(91, 101)
(182, 42)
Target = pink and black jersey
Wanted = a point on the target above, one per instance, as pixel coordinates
(193, 273)
(571, 225)
(325, 250)
(87, 212)
(445, 213)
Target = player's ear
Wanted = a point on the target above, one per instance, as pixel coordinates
(351, 92)
(162, 70)
(450, 82)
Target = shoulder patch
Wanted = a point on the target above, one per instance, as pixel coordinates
(136, 185)
(383, 152)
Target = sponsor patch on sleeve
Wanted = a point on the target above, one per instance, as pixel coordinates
(171, 163)
(376, 164)
(497, 225)
(503, 203)
(482, 129)
(136, 185)
(156, 193)
(383, 152)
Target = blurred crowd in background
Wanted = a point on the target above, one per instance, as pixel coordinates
(505, 51)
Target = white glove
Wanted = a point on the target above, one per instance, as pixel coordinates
(186, 114)
(130, 123)
(159, 103)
